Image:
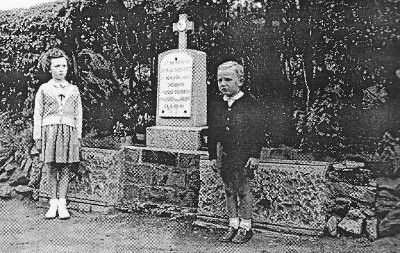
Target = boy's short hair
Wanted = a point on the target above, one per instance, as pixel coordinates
(52, 54)
(232, 64)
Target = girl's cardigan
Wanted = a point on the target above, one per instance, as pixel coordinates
(57, 105)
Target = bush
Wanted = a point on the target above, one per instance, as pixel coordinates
(16, 137)
(323, 69)
(389, 152)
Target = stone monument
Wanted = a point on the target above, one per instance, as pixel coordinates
(181, 116)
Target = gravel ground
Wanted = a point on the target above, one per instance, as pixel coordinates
(23, 229)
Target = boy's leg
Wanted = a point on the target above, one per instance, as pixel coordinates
(232, 210)
(246, 199)
(231, 202)
(228, 176)
(245, 232)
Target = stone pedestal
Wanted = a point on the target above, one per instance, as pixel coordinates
(184, 138)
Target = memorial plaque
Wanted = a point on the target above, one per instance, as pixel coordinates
(182, 88)
(175, 84)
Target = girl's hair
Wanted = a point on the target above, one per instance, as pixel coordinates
(236, 67)
(52, 54)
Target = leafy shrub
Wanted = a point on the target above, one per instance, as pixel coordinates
(389, 151)
(329, 63)
(24, 35)
(16, 136)
(319, 128)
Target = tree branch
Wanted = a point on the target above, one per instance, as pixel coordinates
(117, 43)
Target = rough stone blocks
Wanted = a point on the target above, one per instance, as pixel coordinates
(101, 172)
(388, 206)
(135, 175)
(286, 193)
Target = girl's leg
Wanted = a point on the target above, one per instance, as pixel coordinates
(51, 180)
(65, 177)
(63, 189)
(52, 190)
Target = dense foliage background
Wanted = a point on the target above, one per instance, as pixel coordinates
(324, 69)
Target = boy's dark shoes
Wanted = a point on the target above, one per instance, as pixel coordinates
(243, 236)
(229, 235)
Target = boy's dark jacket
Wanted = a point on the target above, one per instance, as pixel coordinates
(239, 129)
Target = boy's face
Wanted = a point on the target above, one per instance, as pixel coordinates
(59, 68)
(228, 82)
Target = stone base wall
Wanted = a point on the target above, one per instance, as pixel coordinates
(160, 177)
(100, 183)
(136, 178)
(290, 196)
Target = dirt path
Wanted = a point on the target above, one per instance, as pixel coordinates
(23, 229)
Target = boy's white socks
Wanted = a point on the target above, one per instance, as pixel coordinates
(246, 224)
(234, 222)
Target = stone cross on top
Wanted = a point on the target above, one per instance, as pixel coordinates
(182, 26)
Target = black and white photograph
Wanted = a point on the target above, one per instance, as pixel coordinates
(189, 126)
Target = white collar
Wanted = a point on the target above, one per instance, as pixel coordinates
(59, 84)
(235, 97)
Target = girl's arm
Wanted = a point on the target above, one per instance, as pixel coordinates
(38, 115)
(78, 119)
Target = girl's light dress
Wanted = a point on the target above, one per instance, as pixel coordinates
(60, 144)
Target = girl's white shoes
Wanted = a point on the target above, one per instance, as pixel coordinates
(59, 205)
(62, 209)
(52, 212)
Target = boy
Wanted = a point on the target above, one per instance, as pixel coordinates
(236, 121)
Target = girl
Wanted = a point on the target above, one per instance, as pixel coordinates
(57, 129)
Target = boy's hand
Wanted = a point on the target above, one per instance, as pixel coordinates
(38, 144)
(251, 166)
(252, 163)
(214, 165)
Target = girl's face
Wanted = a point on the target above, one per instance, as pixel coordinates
(59, 68)
(229, 82)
